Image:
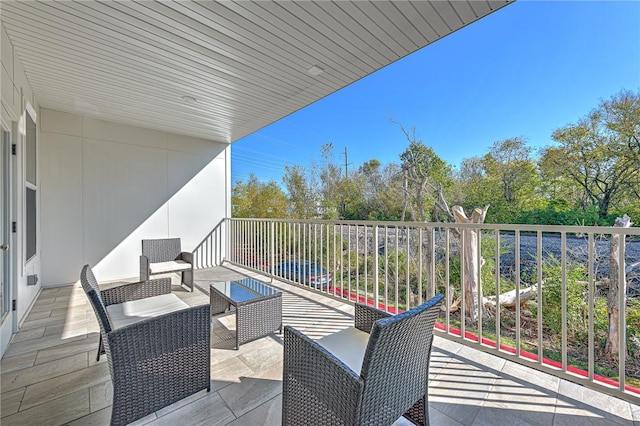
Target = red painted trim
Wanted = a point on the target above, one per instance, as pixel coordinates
(534, 357)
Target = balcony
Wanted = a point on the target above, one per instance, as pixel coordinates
(108, 87)
(50, 376)
(547, 295)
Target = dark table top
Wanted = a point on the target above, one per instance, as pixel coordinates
(245, 290)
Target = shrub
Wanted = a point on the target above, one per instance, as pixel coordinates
(633, 330)
(488, 272)
(576, 305)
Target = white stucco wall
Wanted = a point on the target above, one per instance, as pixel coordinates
(15, 94)
(107, 186)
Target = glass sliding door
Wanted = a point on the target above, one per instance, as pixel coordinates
(31, 207)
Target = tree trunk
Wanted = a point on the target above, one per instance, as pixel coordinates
(420, 199)
(405, 198)
(603, 204)
(472, 287)
(615, 287)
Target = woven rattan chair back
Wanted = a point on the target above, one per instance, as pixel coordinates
(395, 368)
(90, 286)
(162, 250)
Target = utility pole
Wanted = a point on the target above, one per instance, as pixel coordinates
(346, 162)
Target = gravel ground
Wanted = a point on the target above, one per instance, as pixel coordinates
(577, 251)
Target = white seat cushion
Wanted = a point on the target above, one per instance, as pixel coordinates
(348, 345)
(170, 266)
(126, 313)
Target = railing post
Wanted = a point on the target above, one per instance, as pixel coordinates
(517, 282)
(463, 303)
(622, 316)
(539, 284)
(590, 304)
(563, 260)
(376, 300)
(272, 248)
(481, 308)
(420, 265)
(432, 264)
(227, 240)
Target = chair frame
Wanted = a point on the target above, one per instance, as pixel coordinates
(319, 389)
(164, 250)
(156, 361)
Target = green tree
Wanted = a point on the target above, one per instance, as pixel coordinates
(554, 182)
(622, 115)
(378, 195)
(505, 178)
(511, 173)
(255, 199)
(369, 181)
(390, 195)
(302, 192)
(509, 161)
(601, 153)
(426, 176)
(472, 186)
(337, 189)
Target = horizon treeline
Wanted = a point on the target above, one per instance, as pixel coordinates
(589, 176)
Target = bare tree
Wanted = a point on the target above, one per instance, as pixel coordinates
(471, 286)
(424, 174)
(616, 269)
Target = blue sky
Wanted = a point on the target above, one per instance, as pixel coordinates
(523, 71)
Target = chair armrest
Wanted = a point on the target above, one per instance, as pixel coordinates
(316, 381)
(136, 291)
(187, 257)
(144, 268)
(367, 315)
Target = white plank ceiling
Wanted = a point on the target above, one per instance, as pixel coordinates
(246, 63)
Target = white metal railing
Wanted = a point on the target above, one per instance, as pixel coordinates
(211, 250)
(556, 273)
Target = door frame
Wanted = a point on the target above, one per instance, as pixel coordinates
(9, 324)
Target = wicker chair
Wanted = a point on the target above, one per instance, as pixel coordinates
(371, 374)
(158, 348)
(163, 256)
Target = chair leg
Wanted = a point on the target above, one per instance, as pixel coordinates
(187, 279)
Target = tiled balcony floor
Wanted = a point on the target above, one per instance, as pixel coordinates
(50, 376)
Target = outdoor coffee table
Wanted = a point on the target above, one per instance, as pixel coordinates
(258, 307)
